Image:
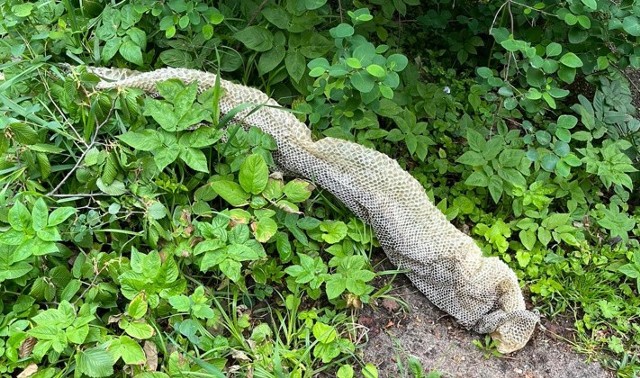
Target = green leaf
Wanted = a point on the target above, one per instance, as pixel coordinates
(592, 4)
(298, 190)
(495, 188)
(484, 72)
(370, 371)
(19, 217)
(131, 51)
(472, 158)
(265, 228)
(397, 62)
(567, 121)
(342, 31)
(528, 239)
(363, 82)
(254, 174)
(146, 140)
(130, 351)
(116, 188)
(165, 156)
(14, 271)
(376, 70)
(571, 60)
(231, 192)
(139, 330)
(39, 215)
(95, 362)
(231, 269)
(477, 179)
(277, 16)
(324, 333)
(631, 25)
(23, 133)
(241, 252)
(335, 231)
(295, 64)
(138, 306)
(22, 10)
(162, 113)
(271, 59)
(255, 38)
(553, 49)
(110, 49)
(346, 371)
(195, 159)
(630, 270)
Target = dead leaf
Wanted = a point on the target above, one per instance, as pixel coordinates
(151, 351)
(30, 370)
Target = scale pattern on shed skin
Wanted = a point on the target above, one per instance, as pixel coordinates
(445, 264)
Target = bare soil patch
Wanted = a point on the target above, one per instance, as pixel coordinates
(441, 344)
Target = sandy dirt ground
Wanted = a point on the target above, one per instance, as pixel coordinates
(421, 330)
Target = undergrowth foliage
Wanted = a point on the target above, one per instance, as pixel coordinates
(148, 236)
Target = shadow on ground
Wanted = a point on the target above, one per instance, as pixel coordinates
(441, 345)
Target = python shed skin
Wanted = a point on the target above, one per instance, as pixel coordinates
(445, 264)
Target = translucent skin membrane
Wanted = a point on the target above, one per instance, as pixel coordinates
(445, 264)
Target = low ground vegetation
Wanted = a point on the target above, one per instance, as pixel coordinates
(134, 242)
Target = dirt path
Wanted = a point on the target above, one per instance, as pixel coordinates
(441, 345)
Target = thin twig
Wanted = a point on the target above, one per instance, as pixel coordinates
(255, 14)
(85, 152)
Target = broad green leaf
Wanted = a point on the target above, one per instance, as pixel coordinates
(571, 60)
(146, 140)
(592, 4)
(298, 190)
(77, 335)
(39, 215)
(265, 228)
(376, 70)
(334, 231)
(162, 113)
(131, 51)
(528, 239)
(363, 82)
(553, 49)
(631, 25)
(95, 362)
(195, 159)
(138, 306)
(231, 192)
(241, 252)
(397, 62)
(477, 179)
(324, 333)
(271, 59)
(342, 31)
(14, 271)
(116, 188)
(484, 72)
(254, 174)
(165, 156)
(22, 10)
(231, 269)
(110, 49)
(255, 38)
(277, 16)
(129, 350)
(19, 217)
(139, 330)
(295, 64)
(23, 133)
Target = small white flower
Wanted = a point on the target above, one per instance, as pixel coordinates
(447, 90)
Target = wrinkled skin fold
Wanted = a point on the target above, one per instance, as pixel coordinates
(445, 264)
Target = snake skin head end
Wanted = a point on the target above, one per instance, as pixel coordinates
(516, 329)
